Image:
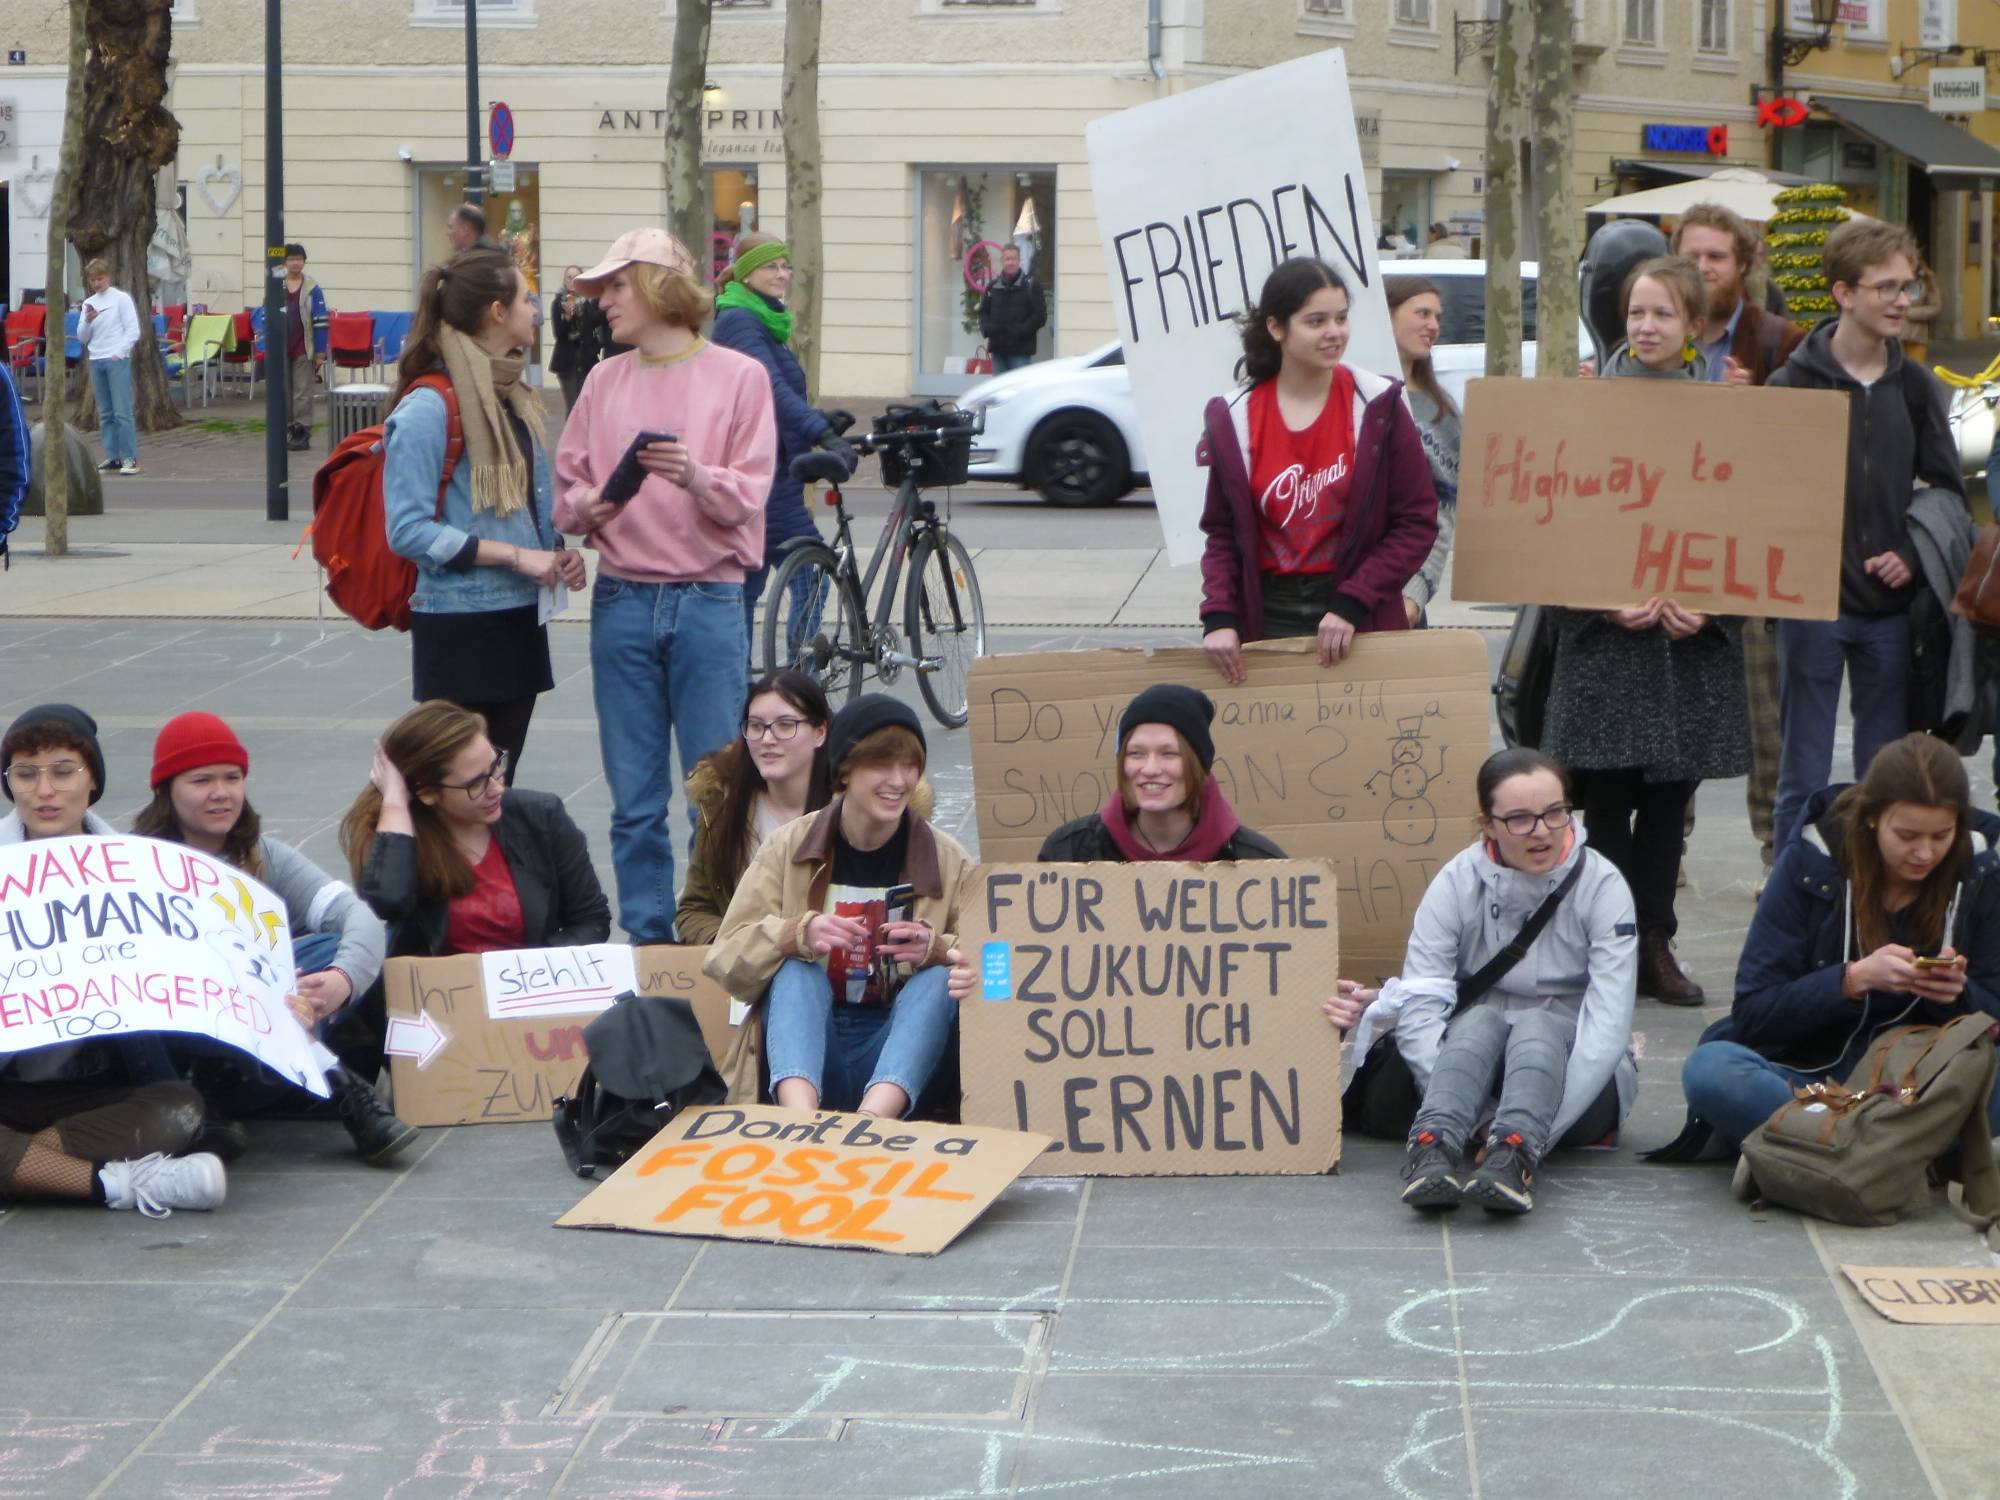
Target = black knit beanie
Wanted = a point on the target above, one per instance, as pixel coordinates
(74, 722)
(861, 718)
(1185, 710)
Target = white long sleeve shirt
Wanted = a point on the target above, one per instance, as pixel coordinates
(114, 329)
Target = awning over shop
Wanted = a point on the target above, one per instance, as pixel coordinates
(1636, 166)
(1952, 156)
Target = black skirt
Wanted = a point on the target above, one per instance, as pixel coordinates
(491, 656)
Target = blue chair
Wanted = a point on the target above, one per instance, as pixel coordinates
(168, 352)
(392, 331)
(72, 337)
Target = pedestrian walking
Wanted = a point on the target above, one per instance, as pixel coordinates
(1320, 506)
(1012, 312)
(1648, 701)
(1898, 439)
(1416, 313)
(577, 346)
(669, 655)
(109, 333)
(306, 333)
(489, 568)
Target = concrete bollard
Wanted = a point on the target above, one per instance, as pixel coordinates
(86, 485)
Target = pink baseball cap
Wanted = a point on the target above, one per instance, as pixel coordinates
(650, 247)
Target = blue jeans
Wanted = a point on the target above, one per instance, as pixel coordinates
(1874, 650)
(844, 1050)
(1002, 363)
(1736, 1089)
(111, 382)
(665, 659)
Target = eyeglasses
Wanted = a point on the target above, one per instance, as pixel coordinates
(778, 729)
(1521, 824)
(476, 787)
(62, 775)
(1889, 291)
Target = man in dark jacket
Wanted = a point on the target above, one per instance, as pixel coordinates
(14, 464)
(1012, 311)
(1897, 437)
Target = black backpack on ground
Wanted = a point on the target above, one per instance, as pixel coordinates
(648, 1062)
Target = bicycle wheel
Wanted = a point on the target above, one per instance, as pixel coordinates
(946, 622)
(813, 621)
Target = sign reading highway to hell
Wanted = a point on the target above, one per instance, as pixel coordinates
(1369, 764)
(1198, 197)
(101, 937)
(1156, 1018)
(802, 1177)
(1604, 493)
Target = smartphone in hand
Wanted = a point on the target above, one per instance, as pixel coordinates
(626, 478)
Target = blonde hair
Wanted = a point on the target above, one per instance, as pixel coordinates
(673, 297)
(1682, 281)
(97, 265)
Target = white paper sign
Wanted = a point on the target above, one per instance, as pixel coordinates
(1937, 23)
(556, 981)
(1198, 197)
(100, 937)
(1957, 91)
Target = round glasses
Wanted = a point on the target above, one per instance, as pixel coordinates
(62, 775)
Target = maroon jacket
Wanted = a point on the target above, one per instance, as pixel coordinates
(1387, 532)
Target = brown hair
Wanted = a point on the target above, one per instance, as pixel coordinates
(422, 745)
(156, 820)
(741, 781)
(1860, 243)
(458, 293)
(744, 242)
(1682, 281)
(41, 735)
(890, 745)
(673, 297)
(97, 265)
(1423, 375)
(1729, 221)
(1928, 773)
(1197, 779)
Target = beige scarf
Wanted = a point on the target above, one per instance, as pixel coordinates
(483, 383)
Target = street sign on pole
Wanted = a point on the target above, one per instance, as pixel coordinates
(500, 176)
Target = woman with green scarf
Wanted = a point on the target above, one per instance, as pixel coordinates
(751, 318)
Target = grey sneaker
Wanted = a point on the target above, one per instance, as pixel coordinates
(156, 1185)
(130, 466)
(1431, 1172)
(1505, 1180)
(109, 466)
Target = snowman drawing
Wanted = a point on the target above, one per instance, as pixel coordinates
(1410, 818)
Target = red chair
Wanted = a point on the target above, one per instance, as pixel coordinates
(350, 342)
(243, 356)
(24, 330)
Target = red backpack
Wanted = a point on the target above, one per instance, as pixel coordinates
(366, 580)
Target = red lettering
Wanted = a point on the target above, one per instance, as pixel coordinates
(1654, 561)
(1691, 562)
(1774, 564)
(1730, 585)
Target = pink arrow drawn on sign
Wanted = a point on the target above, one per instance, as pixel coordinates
(417, 1036)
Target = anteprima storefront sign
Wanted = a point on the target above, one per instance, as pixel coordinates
(754, 134)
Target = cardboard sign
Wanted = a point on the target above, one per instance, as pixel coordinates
(1369, 763)
(805, 1177)
(104, 936)
(458, 1056)
(1928, 1294)
(1156, 1019)
(1604, 493)
(1198, 196)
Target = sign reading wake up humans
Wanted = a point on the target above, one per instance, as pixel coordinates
(100, 937)
(1198, 197)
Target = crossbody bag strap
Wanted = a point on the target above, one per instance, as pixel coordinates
(1495, 968)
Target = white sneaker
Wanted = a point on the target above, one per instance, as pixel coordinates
(130, 466)
(156, 1185)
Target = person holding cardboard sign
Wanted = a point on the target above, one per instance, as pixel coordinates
(839, 931)
(1320, 506)
(1649, 701)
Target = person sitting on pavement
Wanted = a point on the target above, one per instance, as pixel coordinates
(838, 932)
(1554, 1030)
(199, 768)
(73, 1124)
(1883, 910)
(752, 787)
(455, 860)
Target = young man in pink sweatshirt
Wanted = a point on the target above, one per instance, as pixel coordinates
(669, 653)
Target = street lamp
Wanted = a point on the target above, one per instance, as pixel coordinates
(1793, 50)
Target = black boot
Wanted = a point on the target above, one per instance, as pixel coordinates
(378, 1134)
(299, 437)
(1660, 973)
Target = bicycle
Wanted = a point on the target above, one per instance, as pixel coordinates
(818, 619)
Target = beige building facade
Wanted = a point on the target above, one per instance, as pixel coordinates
(949, 129)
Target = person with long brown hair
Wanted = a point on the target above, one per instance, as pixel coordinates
(1883, 910)
(488, 565)
(752, 787)
(1416, 316)
(455, 860)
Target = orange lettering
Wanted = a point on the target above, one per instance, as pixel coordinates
(692, 1198)
(851, 1175)
(760, 1207)
(921, 1188)
(719, 1170)
(798, 1218)
(890, 1178)
(804, 1164)
(682, 1154)
(855, 1226)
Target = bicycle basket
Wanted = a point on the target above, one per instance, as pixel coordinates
(931, 441)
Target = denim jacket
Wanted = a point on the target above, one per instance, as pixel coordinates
(415, 457)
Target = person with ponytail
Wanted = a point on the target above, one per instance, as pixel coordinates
(751, 317)
(1320, 504)
(485, 567)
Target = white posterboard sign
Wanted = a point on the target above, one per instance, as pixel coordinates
(557, 981)
(105, 936)
(1198, 197)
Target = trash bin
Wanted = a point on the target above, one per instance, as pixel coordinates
(349, 408)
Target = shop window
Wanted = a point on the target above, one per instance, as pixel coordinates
(1712, 27)
(491, 12)
(1406, 211)
(732, 209)
(1642, 23)
(514, 219)
(966, 216)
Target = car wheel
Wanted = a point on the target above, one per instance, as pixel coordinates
(1077, 458)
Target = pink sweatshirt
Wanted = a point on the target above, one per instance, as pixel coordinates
(718, 403)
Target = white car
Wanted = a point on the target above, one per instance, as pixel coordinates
(1067, 427)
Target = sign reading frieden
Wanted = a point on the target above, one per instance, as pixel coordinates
(1156, 1018)
(1606, 493)
(1198, 196)
(103, 936)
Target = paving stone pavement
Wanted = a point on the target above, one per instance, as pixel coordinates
(424, 1332)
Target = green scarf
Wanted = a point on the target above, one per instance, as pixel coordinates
(776, 320)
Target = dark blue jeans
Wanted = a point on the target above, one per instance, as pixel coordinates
(1874, 653)
(1737, 1089)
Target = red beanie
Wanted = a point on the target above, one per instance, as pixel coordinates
(192, 740)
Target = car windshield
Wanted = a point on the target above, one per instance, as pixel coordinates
(1464, 300)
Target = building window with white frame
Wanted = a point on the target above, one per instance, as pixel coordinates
(1323, 10)
(739, 7)
(491, 12)
(183, 13)
(1415, 13)
(986, 7)
(1642, 23)
(1712, 28)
